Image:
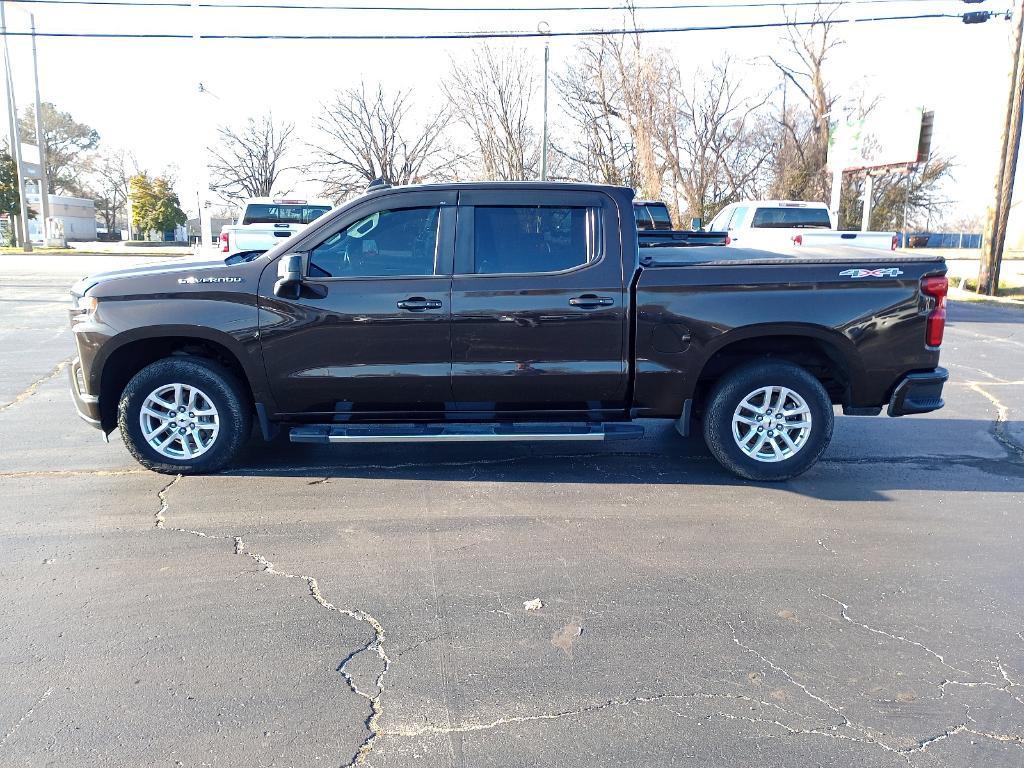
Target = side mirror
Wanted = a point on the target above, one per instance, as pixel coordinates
(289, 276)
(696, 223)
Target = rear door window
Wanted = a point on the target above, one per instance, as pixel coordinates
(778, 218)
(520, 239)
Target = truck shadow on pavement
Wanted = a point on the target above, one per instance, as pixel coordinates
(934, 454)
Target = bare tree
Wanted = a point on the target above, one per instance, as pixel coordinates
(601, 148)
(490, 95)
(107, 181)
(697, 147)
(643, 78)
(366, 136)
(248, 161)
(803, 127)
(711, 141)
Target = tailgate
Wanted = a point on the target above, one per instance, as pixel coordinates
(254, 237)
(876, 240)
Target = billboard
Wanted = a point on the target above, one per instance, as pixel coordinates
(890, 135)
(30, 167)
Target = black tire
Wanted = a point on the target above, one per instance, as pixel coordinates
(220, 386)
(730, 391)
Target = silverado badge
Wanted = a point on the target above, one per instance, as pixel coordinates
(196, 280)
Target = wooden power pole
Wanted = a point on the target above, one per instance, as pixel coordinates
(995, 225)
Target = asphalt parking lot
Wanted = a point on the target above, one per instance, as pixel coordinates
(325, 606)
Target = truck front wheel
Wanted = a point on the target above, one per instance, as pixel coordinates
(768, 420)
(184, 415)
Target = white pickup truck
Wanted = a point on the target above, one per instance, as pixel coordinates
(267, 221)
(788, 225)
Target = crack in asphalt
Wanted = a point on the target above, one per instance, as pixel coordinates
(1005, 686)
(827, 548)
(472, 726)
(14, 728)
(32, 388)
(866, 735)
(375, 645)
(964, 727)
(844, 614)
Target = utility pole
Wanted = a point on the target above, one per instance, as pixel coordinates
(906, 203)
(995, 225)
(12, 115)
(205, 225)
(44, 185)
(839, 155)
(869, 189)
(544, 28)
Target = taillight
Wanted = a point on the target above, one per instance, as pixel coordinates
(936, 287)
(798, 239)
(224, 242)
(728, 240)
(895, 242)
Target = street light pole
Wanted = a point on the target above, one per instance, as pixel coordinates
(12, 115)
(44, 185)
(205, 224)
(544, 28)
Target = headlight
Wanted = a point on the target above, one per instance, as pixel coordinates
(84, 307)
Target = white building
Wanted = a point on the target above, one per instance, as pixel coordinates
(77, 214)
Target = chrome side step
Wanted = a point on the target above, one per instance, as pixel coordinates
(462, 433)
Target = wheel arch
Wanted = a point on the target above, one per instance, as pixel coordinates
(130, 352)
(828, 355)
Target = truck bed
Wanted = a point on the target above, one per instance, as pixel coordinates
(866, 309)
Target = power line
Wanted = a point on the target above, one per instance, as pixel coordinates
(490, 35)
(470, 9)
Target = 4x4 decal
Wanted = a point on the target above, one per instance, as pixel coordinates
(881, 272)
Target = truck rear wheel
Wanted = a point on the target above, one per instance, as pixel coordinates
(183, 415)
(768, 420)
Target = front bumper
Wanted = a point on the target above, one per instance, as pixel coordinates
(918, 393)
(88, 406)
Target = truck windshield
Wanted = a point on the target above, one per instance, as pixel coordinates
(273, 213)
(810, 218)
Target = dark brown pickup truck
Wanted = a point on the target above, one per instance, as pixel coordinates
(499, 312)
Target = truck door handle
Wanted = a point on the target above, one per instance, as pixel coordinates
(418, 304)
(589, 300)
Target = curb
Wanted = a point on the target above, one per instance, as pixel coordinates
(75, 252)
(955, 294)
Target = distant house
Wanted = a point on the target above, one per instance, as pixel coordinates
(77, 214)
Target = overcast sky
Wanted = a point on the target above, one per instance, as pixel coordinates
(141, 95)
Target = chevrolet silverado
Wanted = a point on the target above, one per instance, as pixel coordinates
(503, 312)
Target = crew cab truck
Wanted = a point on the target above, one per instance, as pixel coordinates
(502, 312)
(788, 226)
(266, 222)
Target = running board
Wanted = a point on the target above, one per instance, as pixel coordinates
(461, 433)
